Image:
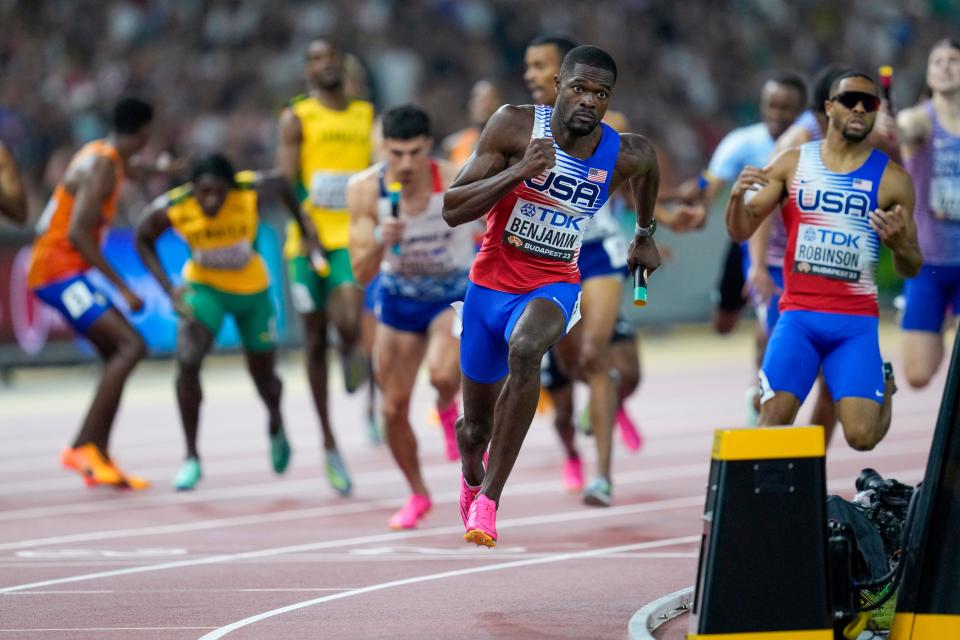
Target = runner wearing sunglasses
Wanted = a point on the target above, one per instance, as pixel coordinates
(840, 199)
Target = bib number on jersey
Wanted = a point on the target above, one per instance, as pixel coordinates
(945, 198)
(544, 232)
(838, 254)
(233, 257)
(329, 190)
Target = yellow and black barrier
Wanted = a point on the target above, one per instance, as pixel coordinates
(928, 603)
(763, 557)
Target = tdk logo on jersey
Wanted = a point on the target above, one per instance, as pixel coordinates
(566, 188)
(848, 203)
(551, 217)
(832, 238)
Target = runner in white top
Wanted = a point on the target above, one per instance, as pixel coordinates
(423, 265)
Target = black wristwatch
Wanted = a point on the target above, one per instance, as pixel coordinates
(646, 232)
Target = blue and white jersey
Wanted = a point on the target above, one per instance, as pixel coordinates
(832, 250)
(534, 232)
(434, 259)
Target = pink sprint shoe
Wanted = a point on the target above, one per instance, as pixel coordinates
(467, 495)
(448, 420)
(628, 431)
(410, 514)
(573, 474)
(482, 522)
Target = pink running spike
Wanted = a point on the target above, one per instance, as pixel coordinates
(573, 474)
(482, 522)
(411, 513)
(448, 420)
(628, 431)
(467, 495)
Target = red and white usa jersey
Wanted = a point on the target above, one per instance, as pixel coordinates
(831, 258)
(534, 233)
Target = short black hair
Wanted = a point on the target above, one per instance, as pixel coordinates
(563, 44)
(406, 122)
(822, 83)
(216, 165)
(853, 73)
(589, 56)
(131, 114)
(792, 80)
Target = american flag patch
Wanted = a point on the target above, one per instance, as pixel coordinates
(596, 175)
(862, 185)
(540, 179)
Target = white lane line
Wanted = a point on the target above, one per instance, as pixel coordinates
(538, 456)
(530, 488)
(908, 475)
(124, 501)
(645, 475)
(88, 592)
(561, 557)
(111, 629)
(568, 516)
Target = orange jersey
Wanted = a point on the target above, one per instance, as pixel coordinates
(465, 145)
(54, 257)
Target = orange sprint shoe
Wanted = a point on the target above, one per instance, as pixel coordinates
(127, 481)
(89, 462)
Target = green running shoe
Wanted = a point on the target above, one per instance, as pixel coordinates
(337, 473)
(279, 451)
(584, 422)
(597, 493)
(188, 476)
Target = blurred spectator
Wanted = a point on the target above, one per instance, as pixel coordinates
(220, 70)
(485, 99)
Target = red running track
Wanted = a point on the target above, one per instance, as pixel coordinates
(250, 555)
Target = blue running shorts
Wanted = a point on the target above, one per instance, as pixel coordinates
(77, 300)
(929, 295)
(597, 259)
(408, 314)
(488, 318)
(846, 346)
(769, 313)
(370, 294)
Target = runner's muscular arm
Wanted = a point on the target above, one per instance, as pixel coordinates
(365, 252)
(637, 166)
(488, 175)
(288, 152)
(758, 278)
(274, 182)
(153, 222)
(743, 219)
(893, 220)
(913, 128)
(13, 197)
(92, 192)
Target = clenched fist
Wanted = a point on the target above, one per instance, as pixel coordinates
(538, 157)
(890, 225)
(750, 179)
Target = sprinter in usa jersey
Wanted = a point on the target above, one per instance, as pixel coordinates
(840, 200)
(539, 174)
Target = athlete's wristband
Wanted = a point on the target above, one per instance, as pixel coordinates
(646, 232)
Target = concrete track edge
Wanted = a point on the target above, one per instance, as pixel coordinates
(646, 620)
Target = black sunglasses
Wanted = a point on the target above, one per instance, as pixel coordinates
(849, 99)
